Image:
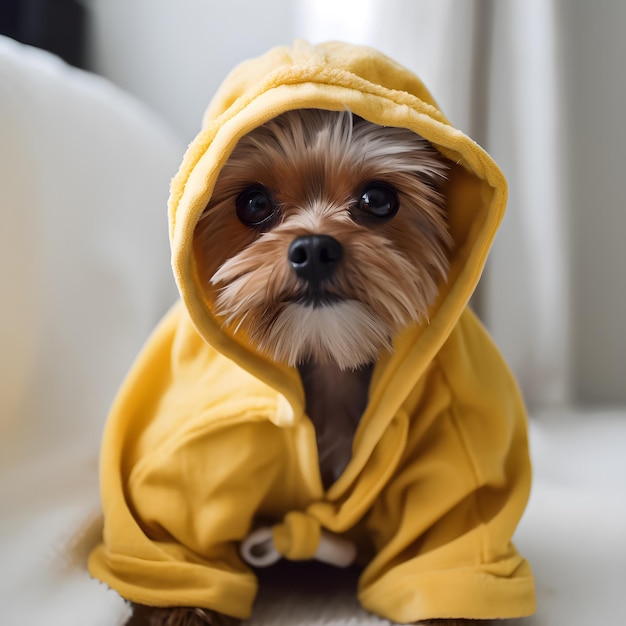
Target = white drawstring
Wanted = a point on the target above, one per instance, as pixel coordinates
(335, 550)
(258, 549)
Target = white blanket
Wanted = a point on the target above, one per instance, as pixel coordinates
(79, 294)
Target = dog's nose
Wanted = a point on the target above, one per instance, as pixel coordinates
(314, 257)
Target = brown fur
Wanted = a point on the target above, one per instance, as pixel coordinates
(179, 616)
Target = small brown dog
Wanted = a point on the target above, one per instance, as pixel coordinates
(322, 390)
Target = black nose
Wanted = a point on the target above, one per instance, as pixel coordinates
(314, 257)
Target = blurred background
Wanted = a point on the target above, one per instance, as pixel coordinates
(539, 83)
(86, 156)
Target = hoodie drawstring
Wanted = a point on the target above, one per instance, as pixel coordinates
(298, 538)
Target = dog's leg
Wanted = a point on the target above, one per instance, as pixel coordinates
(178, 616)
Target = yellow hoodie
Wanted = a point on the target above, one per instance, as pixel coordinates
(207, 436)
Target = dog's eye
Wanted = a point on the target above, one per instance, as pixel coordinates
(255, 207)
(379, 200)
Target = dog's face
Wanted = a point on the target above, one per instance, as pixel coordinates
(325, 236)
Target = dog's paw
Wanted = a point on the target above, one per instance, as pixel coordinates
(178, 616)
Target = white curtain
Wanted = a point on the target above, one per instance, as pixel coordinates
(493, 68)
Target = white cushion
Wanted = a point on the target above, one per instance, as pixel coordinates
(84, 176)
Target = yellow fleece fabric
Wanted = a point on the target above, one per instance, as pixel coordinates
(207, 436)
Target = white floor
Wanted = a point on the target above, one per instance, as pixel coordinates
(574, 530)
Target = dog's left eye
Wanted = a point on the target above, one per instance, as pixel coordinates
(255, 207)
(379, 200)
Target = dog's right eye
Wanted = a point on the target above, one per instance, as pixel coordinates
(379, 201)
(255, 207)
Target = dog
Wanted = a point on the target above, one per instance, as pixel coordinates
(327, 237)
(322, 391)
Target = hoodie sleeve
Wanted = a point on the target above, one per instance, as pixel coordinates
(183, 474)
(443, 525)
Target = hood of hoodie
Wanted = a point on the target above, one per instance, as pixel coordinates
(336, 76)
